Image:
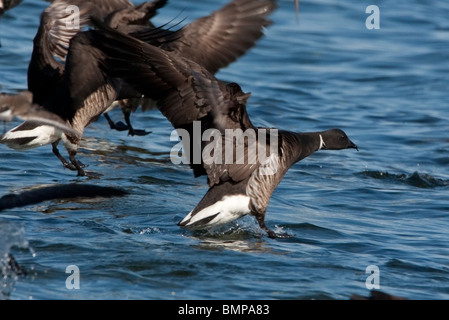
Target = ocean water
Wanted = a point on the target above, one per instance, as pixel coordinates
(377, 218)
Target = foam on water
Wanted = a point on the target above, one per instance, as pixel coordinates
(12, 236)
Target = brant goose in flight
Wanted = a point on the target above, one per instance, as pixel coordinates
(189, 95)
(57, 27)
(213, 41)
(54, 87)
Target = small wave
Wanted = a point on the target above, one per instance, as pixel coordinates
(416, 179)
(149, 230)
(401, 264)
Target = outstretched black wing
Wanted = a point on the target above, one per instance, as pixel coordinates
(186, 92)
(216, 40)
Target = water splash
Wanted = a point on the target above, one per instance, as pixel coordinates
(11, 235)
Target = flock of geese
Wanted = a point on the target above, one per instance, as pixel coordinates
(118, 58)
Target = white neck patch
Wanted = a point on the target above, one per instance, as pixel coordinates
(322, 144)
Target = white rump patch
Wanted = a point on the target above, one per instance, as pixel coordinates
(42, 135)
(226, 210)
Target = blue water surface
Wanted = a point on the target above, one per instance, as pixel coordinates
(385, 207)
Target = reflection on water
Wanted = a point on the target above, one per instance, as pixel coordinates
(249, 245)
(243, 235)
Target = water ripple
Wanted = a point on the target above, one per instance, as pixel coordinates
(385, 205)
(416, 179)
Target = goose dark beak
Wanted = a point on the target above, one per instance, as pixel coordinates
(353, 145)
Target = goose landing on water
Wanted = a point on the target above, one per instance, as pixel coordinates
(188, 93)
(249, 191)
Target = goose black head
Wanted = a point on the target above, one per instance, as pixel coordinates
(335, 139)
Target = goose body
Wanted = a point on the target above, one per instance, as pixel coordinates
(250, 193)
(187, 93)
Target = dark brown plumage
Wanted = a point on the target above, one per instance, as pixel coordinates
(187, 93)
(59, 24)
(217, 40)
(81, 99)
(7, 5)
